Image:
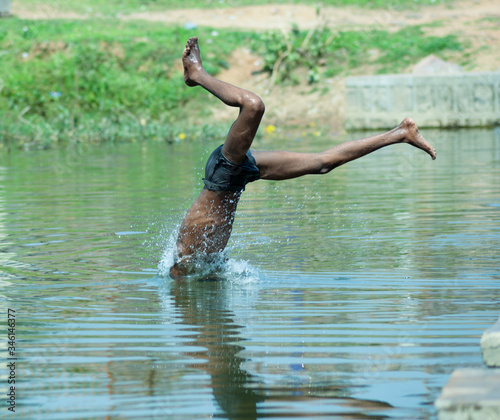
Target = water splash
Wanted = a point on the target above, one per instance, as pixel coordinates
(241, 271)
(167, 258)
(218, 267)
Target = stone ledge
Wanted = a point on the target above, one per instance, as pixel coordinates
(470, 394)
(445, 100)
(490, 345)
(4, 8)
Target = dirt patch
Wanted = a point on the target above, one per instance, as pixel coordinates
(266, 17)
(48, 48)
(318, 105)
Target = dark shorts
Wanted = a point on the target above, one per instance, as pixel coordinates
(222, 175)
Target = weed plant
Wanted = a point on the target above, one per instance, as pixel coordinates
(325, 53)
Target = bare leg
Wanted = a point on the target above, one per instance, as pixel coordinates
(286, 165)
(242, 132)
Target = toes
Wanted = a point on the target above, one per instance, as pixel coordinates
(193, 43)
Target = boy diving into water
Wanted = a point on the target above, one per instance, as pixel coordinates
(208, 223)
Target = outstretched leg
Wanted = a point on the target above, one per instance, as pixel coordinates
(280, 165)
(243, 130)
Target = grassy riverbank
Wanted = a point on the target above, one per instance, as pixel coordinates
(97, 80)
(101, 80)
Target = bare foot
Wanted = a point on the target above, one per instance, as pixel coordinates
(413, 137)
(191, 60)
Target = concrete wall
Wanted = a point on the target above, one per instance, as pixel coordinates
(453, 100)
(4, 7)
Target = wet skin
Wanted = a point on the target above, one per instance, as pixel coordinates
(206, 228)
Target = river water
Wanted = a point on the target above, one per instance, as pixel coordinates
(349, 295)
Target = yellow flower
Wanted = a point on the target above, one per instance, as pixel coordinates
(270, 129)
(182, 136)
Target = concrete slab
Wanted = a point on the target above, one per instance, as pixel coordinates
(444, 100)
(470, 394)
(490, 345)
(4, 7)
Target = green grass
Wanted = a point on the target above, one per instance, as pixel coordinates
(110, 80)
(97, 80)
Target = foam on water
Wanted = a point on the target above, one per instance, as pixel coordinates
(167, 258)
(219, 268)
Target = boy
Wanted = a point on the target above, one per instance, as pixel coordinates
(207, 226)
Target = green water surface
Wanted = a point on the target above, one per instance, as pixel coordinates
(349, 295)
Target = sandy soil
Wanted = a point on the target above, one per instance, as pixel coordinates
(476, 23)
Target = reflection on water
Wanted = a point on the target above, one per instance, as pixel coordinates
(351, 295)
(217, 336)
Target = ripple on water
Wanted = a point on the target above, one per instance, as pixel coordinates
(344, 296)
